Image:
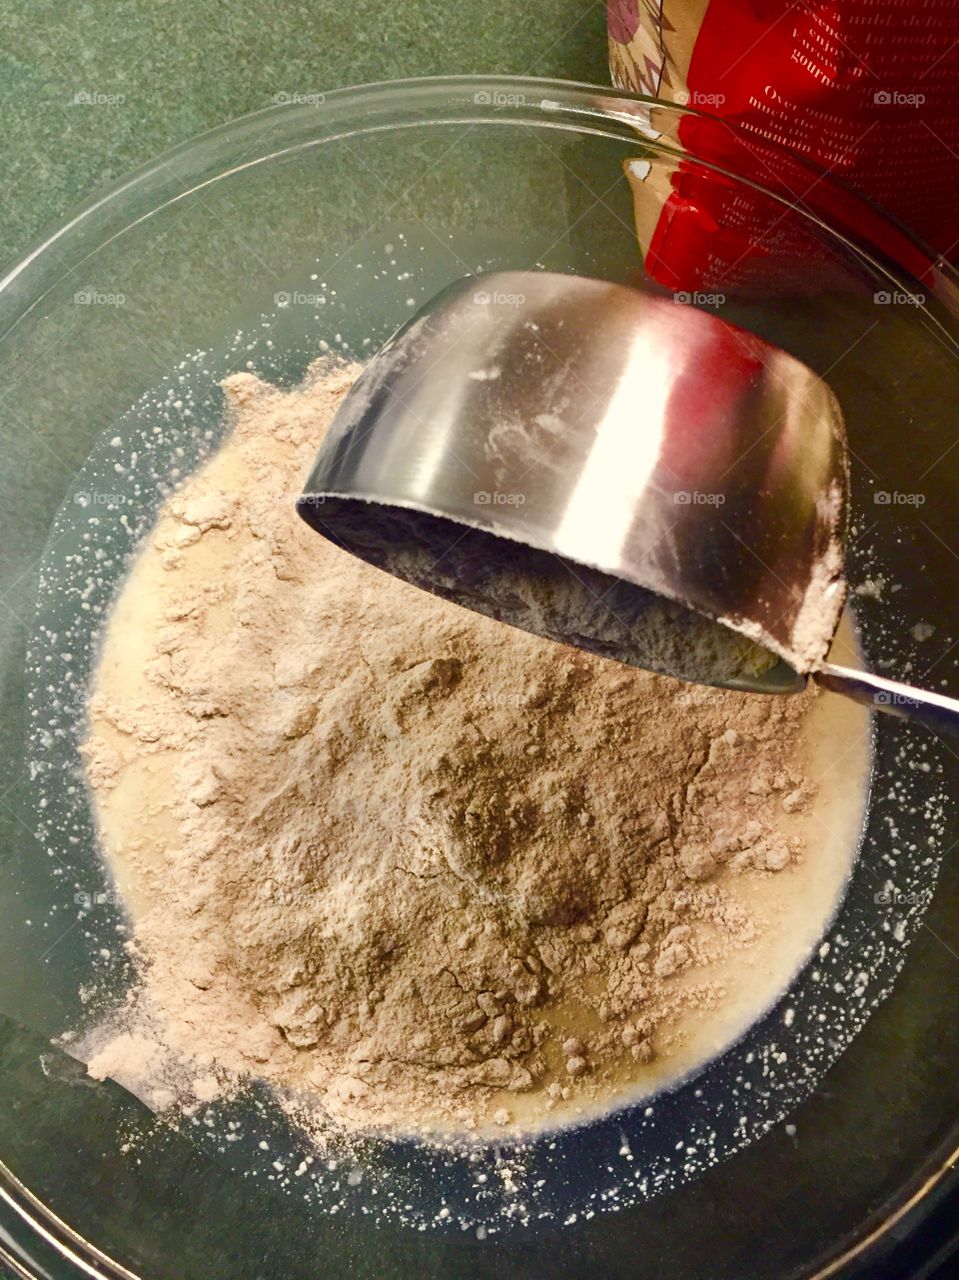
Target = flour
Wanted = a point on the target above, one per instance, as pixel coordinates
(538, 591)
(435, 872)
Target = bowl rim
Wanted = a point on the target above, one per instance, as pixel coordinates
(183, 170)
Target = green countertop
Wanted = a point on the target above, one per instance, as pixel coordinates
(91, 90)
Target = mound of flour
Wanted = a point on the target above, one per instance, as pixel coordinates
(429, 869)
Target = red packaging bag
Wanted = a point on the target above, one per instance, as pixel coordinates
(864, 91)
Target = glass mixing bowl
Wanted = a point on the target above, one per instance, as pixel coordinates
(322, 225)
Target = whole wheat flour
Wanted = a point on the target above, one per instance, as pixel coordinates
(435, 871)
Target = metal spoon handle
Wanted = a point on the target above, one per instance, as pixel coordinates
(934, 710)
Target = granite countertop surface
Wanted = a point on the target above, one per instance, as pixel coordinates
(92, 90)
